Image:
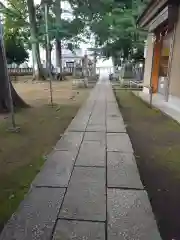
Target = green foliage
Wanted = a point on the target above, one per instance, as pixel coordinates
(15, 20)
(15, 51)
(16, 34)
(113, 23)
(16, 15)
(124, 36)
(66, 30)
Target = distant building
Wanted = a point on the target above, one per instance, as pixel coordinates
(67, 56)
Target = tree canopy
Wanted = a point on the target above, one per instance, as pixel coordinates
(15, 50)
(113, 23)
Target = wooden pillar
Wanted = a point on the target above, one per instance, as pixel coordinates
(156, 63)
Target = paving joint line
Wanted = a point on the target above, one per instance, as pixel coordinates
(88, 166)
(117, 151)
(127, 188)
(80, 131)
(81, 220)
(116, 132)
(46, 186)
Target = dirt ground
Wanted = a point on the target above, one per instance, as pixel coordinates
(22, 154)
(156, 142)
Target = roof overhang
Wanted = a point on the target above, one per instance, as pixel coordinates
(158, 13)
(154, 14)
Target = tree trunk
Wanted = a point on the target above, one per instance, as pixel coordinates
(59, 66)
(4, 98)
(38, 69)
(59, 55)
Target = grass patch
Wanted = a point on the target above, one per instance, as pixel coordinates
(22, 154)
(162, 132)
(156, 141)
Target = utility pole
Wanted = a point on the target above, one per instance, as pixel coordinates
(13, 127)
(46, 10)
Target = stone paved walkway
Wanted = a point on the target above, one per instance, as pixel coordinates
(89, 188)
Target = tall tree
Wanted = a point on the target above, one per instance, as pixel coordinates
(58, 13)
(37, 66)
(17, 14)
(4, 99)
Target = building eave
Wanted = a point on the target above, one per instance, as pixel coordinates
(151, 11)
(144, 12)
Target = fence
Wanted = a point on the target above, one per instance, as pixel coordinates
(29, 71)
(20, 71)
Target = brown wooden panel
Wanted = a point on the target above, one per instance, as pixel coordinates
(156, 63)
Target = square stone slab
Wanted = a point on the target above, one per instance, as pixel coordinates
(130, 216)
(113, 112)
(77, 126)
(57, 170)
(119, 142)
(96, 128)
(95, 136)
(99, 120)
(115, 125)
(36, 216)
(85, 198)
(79, 123)
(70, 141)
(122, 171)
(75, 230)
(98, 115)
(91, 154)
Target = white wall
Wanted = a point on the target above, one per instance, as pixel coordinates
(148, 60)
(175, 67)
